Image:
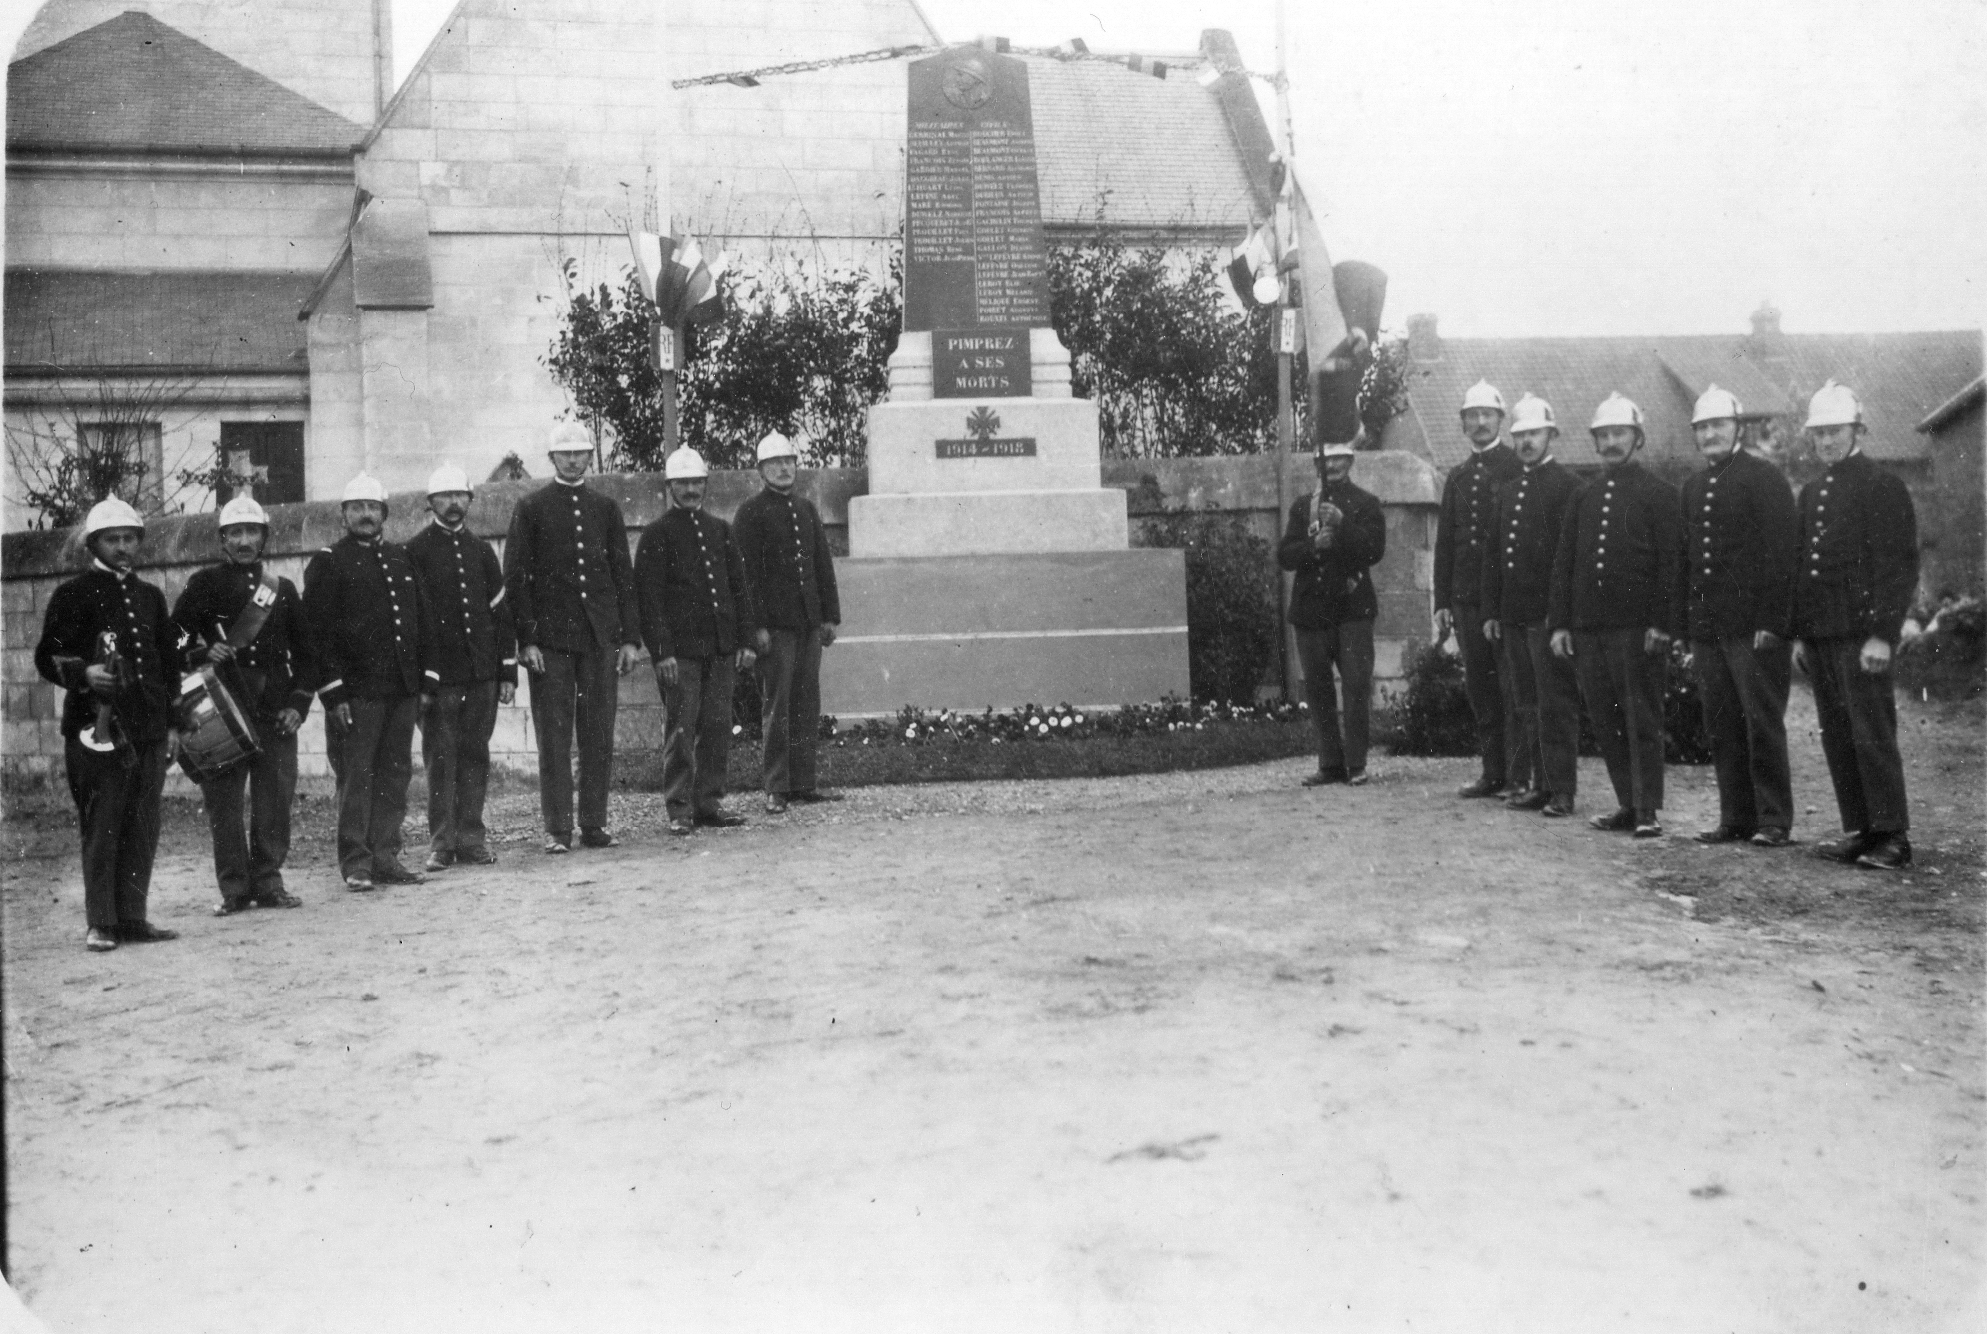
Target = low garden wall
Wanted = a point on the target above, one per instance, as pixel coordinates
(33, 563)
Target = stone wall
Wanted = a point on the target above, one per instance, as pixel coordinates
(32, 564)
(124, 215)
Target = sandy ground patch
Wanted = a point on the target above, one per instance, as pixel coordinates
(1180, 1052)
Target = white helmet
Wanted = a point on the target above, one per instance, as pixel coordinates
(242, 509)
(1716, 404)
(1330, 447)
(684, 464)
(1834, 405)
(110, 513)
(569, 436)
(448, 477)
(364, 487)
(777, 446)
(1616, 411)
(1483, 394)
(1532, 414)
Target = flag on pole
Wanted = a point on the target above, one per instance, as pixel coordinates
(1253, 268)
(674, 274)
(1324, 323)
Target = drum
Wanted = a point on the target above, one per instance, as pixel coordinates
(215, 734)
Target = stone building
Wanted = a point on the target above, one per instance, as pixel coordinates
(388, 268)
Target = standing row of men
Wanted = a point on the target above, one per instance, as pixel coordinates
(431, 633)
(1561, 593)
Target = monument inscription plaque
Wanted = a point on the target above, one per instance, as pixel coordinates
(991, 361)
(973, 249)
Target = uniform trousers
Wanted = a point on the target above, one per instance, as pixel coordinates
(1347, 647)
(576, 690)
(373, 759)
(455, 748)
(1489, 693)
(1623, 689)
(248, 863)
(1744, 690)
(696, 742)
(118, 806)
(1859, 737)
(1545, 713)
(790, 718)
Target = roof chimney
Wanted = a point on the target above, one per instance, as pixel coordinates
(1217, 46)
(1767, 342)
(1423, 342)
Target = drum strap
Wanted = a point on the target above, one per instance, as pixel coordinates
(260, 603)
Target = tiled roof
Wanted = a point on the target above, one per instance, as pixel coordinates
(1901, 377)
(1159, 150)
(186, 322)
(132, 84)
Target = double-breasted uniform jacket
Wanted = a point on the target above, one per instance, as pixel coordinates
(278, 669)
(1517, 570)
(1620, 559)
(79, 611)
(374, 638)
(788, 566)
(1465, 534)
(1334, 585)
(1858, 555)
(566, 571)
(462, 589)
(694, 597)
(1741, 538)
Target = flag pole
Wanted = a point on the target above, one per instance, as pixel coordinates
(1286, 426)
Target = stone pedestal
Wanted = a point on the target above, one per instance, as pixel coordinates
(989, 566)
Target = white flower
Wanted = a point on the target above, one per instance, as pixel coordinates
(910, 731)
(736, 728)
(1079, 717)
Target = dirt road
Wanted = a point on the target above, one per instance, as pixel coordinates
(1187, 1052)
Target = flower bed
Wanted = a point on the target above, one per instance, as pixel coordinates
(920, 746)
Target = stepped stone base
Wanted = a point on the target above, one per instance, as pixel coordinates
(1092, 629)
(986, 522)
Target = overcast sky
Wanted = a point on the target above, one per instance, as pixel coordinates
(1565, 167)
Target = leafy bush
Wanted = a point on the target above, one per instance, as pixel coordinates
(1430, 714)
(792, 352)
(1175, 369)
(1231, 606)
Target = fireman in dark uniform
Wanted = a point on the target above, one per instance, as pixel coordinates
(791, 575)
(1333, 539)
(462, 588)
(1856, 573)
(1741, 536)
(1517, 591)
(572, 594)
(375, 648)
(1463, 540)
(273, 676)
(697, 622)
(116, 774)
(1615, 581)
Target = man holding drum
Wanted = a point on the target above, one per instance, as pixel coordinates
(248, 623)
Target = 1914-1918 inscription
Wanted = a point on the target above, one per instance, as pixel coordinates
(991, 361)
(974, 252)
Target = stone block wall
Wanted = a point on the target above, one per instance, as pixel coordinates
(91, 216)
(32, 564)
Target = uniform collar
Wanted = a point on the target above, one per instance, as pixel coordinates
(369, 543)
(1490, 448)
(570, 486)
(121, 577)
(435, 520)
(1545, 462)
